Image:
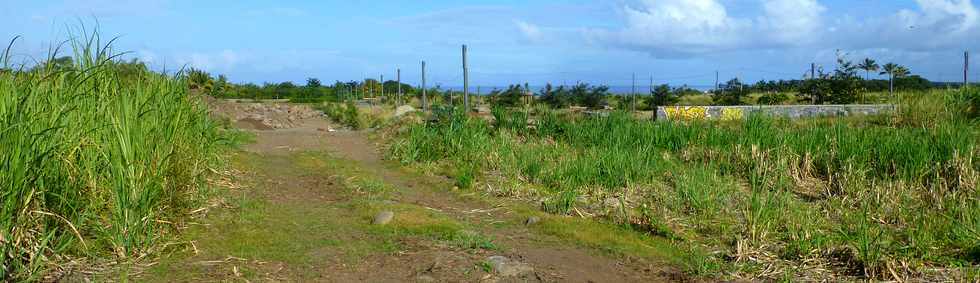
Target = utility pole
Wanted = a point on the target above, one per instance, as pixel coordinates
(382, 84)
(530, 99)
(966, 68)
(424, 106)
(466, 83)
(651, 84)
(716, 81)
(398, 78)
(633, 95)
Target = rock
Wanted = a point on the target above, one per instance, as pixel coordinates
(612, 202)
(404, 109)
(506, 267)
(383, 217)
(531, 220)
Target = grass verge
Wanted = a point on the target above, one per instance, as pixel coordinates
(860, 197)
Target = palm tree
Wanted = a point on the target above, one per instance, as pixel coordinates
(868, 66)
(889, 69)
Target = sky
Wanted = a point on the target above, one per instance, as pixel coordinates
(561, 42)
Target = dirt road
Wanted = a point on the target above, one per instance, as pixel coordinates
(302, 205)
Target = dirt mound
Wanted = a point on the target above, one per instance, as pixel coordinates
(262, 115)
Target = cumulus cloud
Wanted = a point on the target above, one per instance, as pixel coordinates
(210, 61)
(678, 28)
(791, 21)
(531, 32)
(936, 24)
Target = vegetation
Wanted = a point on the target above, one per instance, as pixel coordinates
(311, 92)
(765, 198)
(661, 96)
(101, 158)
(841, 87)
(344, 113)
(731, 93)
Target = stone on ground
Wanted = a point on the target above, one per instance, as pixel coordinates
(506, 267)
(383, 217)
(404, 109)
(531, 220)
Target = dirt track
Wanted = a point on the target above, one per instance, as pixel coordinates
(273, 172)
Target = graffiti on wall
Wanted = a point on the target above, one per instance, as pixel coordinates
(731, 114)
(686, 112)
(703, 113)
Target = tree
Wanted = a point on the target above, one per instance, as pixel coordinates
(312, 83)
(868, 66)
(731, 93)
(592, 97)
(555, 97)
(841, 87)
(200, 80)
(661, 96)
(893, 71)
(596, 97)
(508, 98)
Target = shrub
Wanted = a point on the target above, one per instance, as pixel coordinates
(731, 93)
(661, 96)
(773, 98)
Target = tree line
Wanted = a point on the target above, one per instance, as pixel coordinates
(845, 84)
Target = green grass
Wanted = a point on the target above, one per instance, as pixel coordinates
(858, 193)
(345, 113)
(100, 158)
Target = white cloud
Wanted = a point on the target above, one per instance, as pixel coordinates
(221, 61)
(791, 21)
(950, 16)
(530, 31)
(677, 28)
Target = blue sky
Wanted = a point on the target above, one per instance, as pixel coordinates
(604, 42)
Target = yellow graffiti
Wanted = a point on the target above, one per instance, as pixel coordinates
(732, 114)
(686, 112)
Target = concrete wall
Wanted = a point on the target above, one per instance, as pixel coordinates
(791, 111)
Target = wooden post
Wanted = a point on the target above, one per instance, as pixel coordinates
(530, 97)
(466, 83)
(716, 81)
(398, 77)
(633, 95)
(424, 101)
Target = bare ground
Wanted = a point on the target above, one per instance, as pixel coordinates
(299, 218)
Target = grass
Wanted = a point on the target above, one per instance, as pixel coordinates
(855, 196)
(100, 159)
(281, 225)
(345, 113)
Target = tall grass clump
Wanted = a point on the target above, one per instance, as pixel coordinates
(814, 199)
(97, 155)
(345, 113)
